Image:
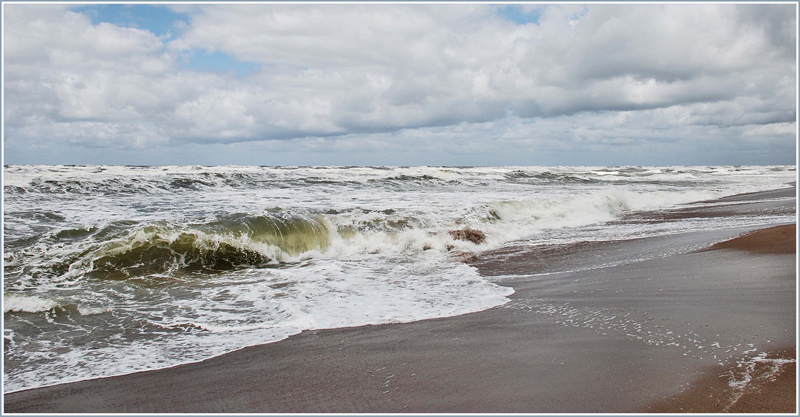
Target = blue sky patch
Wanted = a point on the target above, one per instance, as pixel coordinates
(516, 13)
(158, 19)
(201, 60)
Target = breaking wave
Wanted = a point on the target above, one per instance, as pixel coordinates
(128, 248)
(238, 241)
(27, 303)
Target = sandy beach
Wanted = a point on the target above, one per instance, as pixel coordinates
(646, 325)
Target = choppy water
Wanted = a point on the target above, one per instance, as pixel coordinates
(111, 270)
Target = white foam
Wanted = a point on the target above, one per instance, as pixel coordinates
(27, 303)
(744, 375)
(90, 311)
(249, 308)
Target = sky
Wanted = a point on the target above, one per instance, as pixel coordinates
(400, 84)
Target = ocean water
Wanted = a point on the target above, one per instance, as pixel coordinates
(111, 270)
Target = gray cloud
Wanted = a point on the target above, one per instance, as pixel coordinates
(395, 72)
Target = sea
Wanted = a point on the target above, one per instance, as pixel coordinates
(110, 270)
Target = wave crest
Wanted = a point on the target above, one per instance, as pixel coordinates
(239, 241)
(27, 303)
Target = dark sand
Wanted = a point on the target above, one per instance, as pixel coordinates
(770, 392)
(652, 330)
(780, 239)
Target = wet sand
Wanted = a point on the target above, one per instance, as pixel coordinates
(773, 381)
(780, 239)
(770, 391)
(630, 326)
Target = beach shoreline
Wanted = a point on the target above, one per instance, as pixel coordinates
(624, 337)
(765, 384)
(771, 388)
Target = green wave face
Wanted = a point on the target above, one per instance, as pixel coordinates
(239, 241)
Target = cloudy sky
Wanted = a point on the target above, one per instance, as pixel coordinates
(400, 84)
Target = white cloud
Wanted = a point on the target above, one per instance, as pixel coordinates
(588, 75)
(414, 65)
